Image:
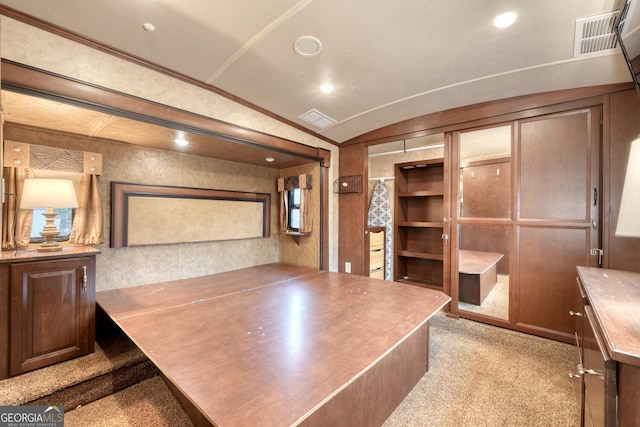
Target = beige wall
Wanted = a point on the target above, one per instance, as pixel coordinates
(150, 264)
(34, 47)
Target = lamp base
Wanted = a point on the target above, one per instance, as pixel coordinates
(49, 247)
(49, 232)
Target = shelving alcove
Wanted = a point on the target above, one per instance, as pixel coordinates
(420, 234)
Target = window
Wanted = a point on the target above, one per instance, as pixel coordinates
(294, 209)
(63, 221)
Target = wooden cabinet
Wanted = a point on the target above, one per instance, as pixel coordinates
(420, 203)
(608, 358)
(376, 252)
(50, 311)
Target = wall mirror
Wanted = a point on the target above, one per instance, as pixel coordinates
(484, 225)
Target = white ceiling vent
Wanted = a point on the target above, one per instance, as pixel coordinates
(316, 118)
(595, 34)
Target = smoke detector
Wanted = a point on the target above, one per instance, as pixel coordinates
(307, 46)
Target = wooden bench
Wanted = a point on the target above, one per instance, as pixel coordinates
(477, 275)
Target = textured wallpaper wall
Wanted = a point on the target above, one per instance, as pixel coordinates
(31, 46)
(132, 266)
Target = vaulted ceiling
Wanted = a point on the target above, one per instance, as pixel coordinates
(387, 61)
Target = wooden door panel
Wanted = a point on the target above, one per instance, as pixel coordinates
(547, 288)
(555, 167)
(51, 312)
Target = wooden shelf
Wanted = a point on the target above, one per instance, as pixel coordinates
(420, 205)
(423, 193)
(420, 224)
(423, 283)
(295, 235)
(421, 255)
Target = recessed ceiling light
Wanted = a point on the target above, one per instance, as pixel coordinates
(505, 19)
(270, 159)
(181, 142)
(326, 88)
(149, 27)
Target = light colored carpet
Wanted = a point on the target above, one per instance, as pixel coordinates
(149, 403)
(496, 303)
(111, 353)
(481, 375)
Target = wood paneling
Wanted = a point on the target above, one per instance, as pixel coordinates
(558, 173)
(485, 113)
(52, 312)
(546, 277)
(353, 242)
(486, 190)
(555, 167)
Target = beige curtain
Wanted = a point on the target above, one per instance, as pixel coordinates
(87, 226)
(306, 214)
(303, 182)
(14, 225)
(284, 211)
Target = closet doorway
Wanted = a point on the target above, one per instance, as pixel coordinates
(526, 211)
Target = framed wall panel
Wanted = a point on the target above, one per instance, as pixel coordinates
(151, 215)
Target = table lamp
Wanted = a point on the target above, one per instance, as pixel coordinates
(48, 194)
(629, 215)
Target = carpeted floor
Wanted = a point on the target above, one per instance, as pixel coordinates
(112, 353)
(149, 403)
(496, 303)
(480, 375)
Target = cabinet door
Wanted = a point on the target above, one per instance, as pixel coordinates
(52, 312)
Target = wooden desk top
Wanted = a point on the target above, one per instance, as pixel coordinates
(474, 262)
(615, 298)
(269, 350)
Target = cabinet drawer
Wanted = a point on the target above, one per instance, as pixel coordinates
(599, 377)
(377, 273)
(376, 259)
(376, 240)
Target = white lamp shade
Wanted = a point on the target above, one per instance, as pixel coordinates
(629, 215)
(48, 193)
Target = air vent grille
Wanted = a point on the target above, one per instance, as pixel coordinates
(595, 34)
(317, 119)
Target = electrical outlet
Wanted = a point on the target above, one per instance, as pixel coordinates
(347, 267)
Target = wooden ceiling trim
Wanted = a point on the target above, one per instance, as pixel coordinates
(453, 119)
(36, 82)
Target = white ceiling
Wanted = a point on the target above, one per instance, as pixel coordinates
(388, 60)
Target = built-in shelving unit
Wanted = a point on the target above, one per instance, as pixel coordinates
(419, 210)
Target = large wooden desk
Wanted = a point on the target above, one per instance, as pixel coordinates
(278, 345)
(477, 275)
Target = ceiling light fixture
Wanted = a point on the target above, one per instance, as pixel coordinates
(270, 159)
(149, 27)
(505, 19)
(326, 88)
(182, 142)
